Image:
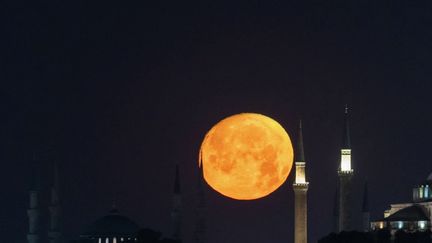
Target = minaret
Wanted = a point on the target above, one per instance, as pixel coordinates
(54, 234)
(345, 173)
(300, 187)
(200, 210)
(177, 202)
(34, 211)
(365, 210)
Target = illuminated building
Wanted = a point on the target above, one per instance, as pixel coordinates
(300, 187)
(345, 173)
(412, 216)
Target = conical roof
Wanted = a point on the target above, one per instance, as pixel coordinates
(299, 153)
(346, 140)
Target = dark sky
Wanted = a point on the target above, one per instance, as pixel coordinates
(123, 91)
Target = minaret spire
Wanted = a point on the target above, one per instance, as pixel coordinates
(345, 173)
(300, 187)
(177, 202)
(346, 140)
(365, 209)
(300, 149)
(54, 233)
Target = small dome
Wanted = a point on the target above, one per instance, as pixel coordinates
(112, 225)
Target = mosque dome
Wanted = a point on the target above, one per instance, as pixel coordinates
(112, 225)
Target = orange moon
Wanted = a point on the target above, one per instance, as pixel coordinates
(246, 156)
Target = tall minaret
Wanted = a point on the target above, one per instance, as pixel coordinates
(300, 192)
(345, 173)
(365, 210)
(200, 210)
(34, 211)
(177, 203)
(54, 233)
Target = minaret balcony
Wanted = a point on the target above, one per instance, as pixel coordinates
(345, 172)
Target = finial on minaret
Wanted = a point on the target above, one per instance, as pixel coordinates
(346, 141)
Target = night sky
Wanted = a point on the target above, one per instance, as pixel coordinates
(123, 91)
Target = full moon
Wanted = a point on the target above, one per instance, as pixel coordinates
(246, 156)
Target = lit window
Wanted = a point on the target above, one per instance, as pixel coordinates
(422, 224)
(346, 160)
(115, 240)
(381, 225)
(100, 240)
(121, 239)
(106, 240)
(400, 224)
(426, 191)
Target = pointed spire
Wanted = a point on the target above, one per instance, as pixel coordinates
(365, 205)
(177, 180)
(300, 149)
(346, 141)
